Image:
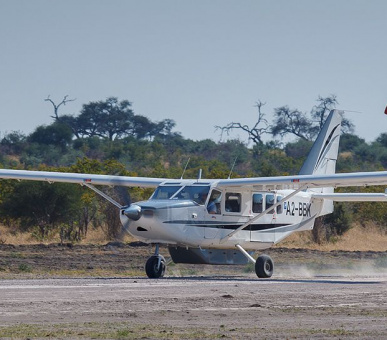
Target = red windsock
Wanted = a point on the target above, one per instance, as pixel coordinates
(385, 111)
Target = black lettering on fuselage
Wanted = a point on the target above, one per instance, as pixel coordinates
(303, 209)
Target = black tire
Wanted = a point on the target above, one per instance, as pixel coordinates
(264, 266)
(151, 267)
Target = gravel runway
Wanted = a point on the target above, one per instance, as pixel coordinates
(195, 307)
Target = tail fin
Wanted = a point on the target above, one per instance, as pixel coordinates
(323, 155)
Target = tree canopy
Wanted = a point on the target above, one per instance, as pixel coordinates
(112, 119)
(107, 137)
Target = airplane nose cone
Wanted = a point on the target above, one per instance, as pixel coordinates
(133, 212)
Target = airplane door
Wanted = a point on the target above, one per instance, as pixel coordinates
(261, 202)
(213, 215)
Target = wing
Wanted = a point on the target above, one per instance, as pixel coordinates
(64, 177)
(353, 197)
(356, 179)
(257, 183)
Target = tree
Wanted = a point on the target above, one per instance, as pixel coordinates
(321, 111)
(42, 205)
(382, 140)
(292, 122)
(349, 142)
(13, 142)
(108, 119)
(256, 132)
(298, 123)
(57, 106)
(112, 119)
(58, 134)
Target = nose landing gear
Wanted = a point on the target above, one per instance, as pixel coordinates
(155, 266)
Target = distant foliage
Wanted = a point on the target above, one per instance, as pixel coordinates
(107, 137)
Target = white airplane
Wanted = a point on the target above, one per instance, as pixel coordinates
(224, 221)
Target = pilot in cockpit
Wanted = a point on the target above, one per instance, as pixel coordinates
(213, 206)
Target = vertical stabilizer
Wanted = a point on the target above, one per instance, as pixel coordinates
(323, 155)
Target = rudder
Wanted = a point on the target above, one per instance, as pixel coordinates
(322, 157)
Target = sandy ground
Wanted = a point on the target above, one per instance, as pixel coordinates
(313, 294)
(206, 307)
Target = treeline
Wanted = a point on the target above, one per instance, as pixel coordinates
(107, 137)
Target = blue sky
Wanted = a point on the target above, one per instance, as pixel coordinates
(201, 63)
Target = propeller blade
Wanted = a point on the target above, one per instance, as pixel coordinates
(124, 195)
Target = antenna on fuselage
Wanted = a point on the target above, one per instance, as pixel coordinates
(200, 174)
(232, 168)
(185, 168)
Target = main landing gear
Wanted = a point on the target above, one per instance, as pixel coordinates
(264, 266)
(155, 266)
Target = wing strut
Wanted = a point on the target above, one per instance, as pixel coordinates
(99, 192)
(263, 213)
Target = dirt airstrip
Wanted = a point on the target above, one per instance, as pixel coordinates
(100, 292)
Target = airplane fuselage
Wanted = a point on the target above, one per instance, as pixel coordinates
(184, 220)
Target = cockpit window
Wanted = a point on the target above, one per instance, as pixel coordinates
(194, 193)
(165, 192)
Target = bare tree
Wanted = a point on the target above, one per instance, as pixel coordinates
(57, 106)
(321, 111)
(68, 120)
(255, 133)
(292, 121)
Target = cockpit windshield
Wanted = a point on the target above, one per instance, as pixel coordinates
(165, 192)
(197, 193)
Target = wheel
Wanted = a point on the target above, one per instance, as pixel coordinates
(152, 268)
(264, 266)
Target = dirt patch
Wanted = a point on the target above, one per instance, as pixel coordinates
(127, 260)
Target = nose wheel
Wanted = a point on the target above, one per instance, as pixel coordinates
(155, 265)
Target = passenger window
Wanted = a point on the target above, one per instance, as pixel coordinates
(269, 203)
(279, 207)
(257, 203)
(233, 202)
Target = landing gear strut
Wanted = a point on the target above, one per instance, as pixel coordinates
(264, 266)
(155, 266)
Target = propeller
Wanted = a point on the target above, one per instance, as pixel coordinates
(130, 210)
(123, 195)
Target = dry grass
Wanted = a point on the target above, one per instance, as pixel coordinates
(8, 237)
(358, 238)
(94, 236)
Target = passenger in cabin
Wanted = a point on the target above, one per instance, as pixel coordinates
(257, 203)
